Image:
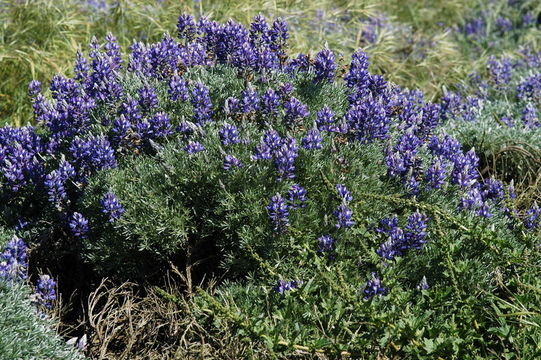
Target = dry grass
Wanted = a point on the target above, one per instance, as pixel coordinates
(128, 322)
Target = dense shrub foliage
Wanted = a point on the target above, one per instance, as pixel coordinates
(339, 214)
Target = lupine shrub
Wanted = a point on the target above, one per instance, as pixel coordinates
(338, 215)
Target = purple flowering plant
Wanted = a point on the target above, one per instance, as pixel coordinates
(214, 149)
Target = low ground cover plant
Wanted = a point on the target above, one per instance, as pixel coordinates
(330, 207)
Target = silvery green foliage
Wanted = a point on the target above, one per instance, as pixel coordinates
(24, 333)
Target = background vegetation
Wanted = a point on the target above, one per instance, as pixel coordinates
(416, 44)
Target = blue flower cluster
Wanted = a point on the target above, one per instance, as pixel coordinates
(111, 207)
(343, 213)
(399, 240)
(14, 263)
(278, 213)
(374, 287)
(46, 291)
(283, 151)
(14, 267)
(283, 286)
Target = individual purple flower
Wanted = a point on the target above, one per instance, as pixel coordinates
(465, 169)
(507, 121)
(325, 66)
(262, 152)
(278, 213)
(193, 147)
(447, 147)
(232, 106)
(435, 175)
(344, 216)
(92, 154)
(529, 19)
(415, 230)
(533, 217)
(530, 88)
(78, 225)
(387, 225)
(285, 91)
(473, 198)
(358, 76)
(325, 244)
(295, 111)
(300, 64)
(500, 71)
(394, 245)
(120, 130)
(46, 291)
(112, 49)
(160, 125)
(374, 287)
(231, 162)
(34, 88)
(178, 89)
(296, 196)
(259, 31)
(475, 27)
(81, 67)
(229, 135)
(102, 82)
(312, 140)
(54, 182)
(130, 109)
(111, 207)
(202, 106)
(493, 190)
(368, 121)
(273, 140)
(278, 38)
(13, 261)
(503, 24)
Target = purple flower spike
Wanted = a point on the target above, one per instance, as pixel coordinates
(278, 213)
(373, 287)
(111, 207)
(193, 147)
(325, 66)
(78, 225)
(46, 291)
(344, 215)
